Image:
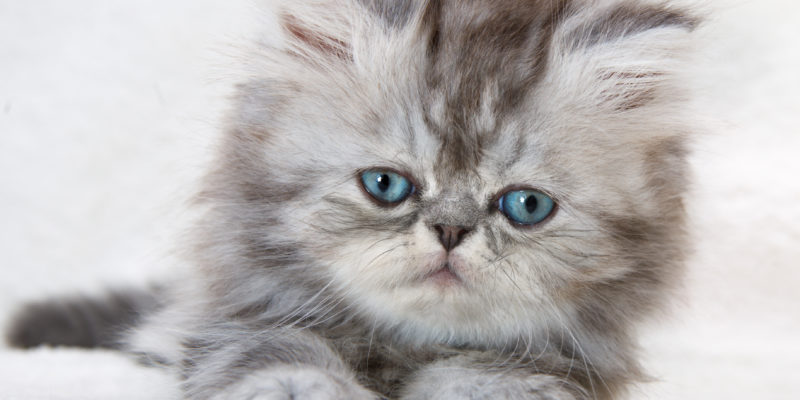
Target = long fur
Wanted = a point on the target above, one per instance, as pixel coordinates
(306, 287)
(83, 321)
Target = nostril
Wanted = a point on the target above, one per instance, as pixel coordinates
(450, 236)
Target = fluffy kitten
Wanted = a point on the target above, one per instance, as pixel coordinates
(436, 200)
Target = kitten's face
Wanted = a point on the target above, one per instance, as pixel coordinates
(472, 130)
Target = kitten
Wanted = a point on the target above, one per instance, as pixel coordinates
(433, 200)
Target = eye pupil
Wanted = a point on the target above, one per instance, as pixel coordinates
(384, 181)
(530, 204)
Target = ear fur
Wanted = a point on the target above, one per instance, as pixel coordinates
(319, 31)
(622, 58)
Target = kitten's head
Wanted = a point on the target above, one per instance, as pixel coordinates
(461, 171)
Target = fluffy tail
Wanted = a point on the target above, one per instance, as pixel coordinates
(82, 321)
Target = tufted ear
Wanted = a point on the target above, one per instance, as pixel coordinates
(623, 57)
(318, 31)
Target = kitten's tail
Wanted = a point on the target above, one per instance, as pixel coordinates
(82, 321)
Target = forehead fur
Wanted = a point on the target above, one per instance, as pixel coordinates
(470, 67)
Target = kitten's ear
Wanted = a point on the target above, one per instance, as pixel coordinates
(319, 31)
(621, 58)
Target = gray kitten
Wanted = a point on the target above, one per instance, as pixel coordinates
(428, 200)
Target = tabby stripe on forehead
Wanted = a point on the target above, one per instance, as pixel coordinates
(500, 52)
(431, 17)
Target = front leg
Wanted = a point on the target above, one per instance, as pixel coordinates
(278, 364)
(301, 382)
(479, 376)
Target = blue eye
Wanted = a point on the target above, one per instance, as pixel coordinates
(386, 186)
(526, 207)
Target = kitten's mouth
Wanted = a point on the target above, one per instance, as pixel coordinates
(444, 276)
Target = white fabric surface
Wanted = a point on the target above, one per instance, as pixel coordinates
(107, 109)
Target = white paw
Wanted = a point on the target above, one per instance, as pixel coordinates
(295, 383)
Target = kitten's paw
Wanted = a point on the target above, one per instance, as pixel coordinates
(295, 383)
(473, 384)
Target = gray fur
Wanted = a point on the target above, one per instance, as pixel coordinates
(82, 321)
(306, 288)
(630, 18)
(396, 13)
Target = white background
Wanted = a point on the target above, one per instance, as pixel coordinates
(108, 109)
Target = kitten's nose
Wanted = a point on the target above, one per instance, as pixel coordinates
(450, 236)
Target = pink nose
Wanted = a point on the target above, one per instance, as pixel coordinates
(450, 236)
